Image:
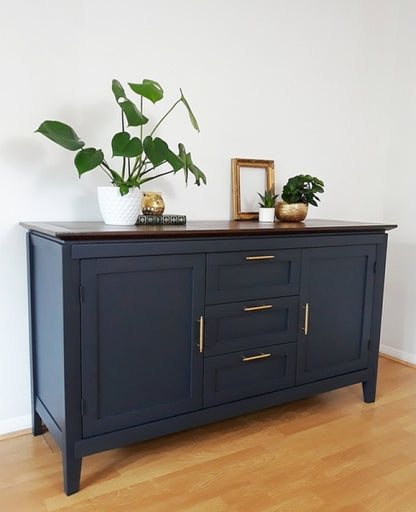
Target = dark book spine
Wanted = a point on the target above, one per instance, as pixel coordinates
(161, 220)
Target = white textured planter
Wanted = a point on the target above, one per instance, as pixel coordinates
(116, 209)
(266, 214)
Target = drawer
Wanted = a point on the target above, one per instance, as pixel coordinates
(250, 324)
(236, 276)
(253, 372)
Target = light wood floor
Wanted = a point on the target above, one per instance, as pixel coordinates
(331, 452)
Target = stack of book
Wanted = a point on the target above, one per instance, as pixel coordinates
(166, 220)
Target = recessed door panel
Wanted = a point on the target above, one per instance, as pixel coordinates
(336, 303)
(140, 333)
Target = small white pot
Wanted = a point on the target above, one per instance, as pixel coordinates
(266, 214)
(116, 209)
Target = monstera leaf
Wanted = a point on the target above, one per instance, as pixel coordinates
(62, 134)
(124, 145)
(88, 159)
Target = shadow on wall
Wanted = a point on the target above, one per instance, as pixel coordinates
(398, 335)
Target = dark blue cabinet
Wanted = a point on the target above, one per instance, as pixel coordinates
(337, 300)
(139, 330)
(144, 331)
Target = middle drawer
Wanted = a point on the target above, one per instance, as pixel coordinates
(250, 324)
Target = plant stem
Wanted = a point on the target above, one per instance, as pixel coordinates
(123, 170)
(141, 110)
(104, 166)
(138, 161)
(164, 117)
(157, 176)
(146, 171)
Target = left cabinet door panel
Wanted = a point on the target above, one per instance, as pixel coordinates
(140, 331)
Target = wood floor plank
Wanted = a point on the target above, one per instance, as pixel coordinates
(331, 452)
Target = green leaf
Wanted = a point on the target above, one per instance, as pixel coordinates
(191, 115)
(182, 156)
(198, 174)
(123, 185)
(159, 152)
(61, 134)
(175, 162)
(133, 182)
(148, 89)
(118, 90)
(117, 179)
(190, 166)
(123, 145)
(88, 159)
(156, 150)
(132, 113)
(124, 189)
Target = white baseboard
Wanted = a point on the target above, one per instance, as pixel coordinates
(398, 354)
(14, 424)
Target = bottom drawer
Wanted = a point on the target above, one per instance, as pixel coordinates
(252, 372)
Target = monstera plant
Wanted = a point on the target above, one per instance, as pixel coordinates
(144, 156)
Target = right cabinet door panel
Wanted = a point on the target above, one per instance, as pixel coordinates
(336, 295)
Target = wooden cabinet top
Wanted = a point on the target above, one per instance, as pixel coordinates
(99, 231)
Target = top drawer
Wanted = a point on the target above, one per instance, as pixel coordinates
(235, 276)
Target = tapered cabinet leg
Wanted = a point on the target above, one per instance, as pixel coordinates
(369, 390)
(72, 473)
(36, 424)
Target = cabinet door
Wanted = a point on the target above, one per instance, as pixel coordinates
(140, 335)
(336, 295)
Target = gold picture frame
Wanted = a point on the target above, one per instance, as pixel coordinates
(246, 182)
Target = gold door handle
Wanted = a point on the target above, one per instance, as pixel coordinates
(253, 358)
(258, 308)
(306, 325)
(265, 257)
(201, 334)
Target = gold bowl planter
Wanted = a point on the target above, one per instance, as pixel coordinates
(152, 203)
(294, 212)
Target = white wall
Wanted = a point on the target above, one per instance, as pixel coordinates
(322, 86)
(399, 322)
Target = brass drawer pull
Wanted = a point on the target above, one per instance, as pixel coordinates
(253, 358)
(258, 308)
(201, 334)
(269, 257)
(306, 327)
